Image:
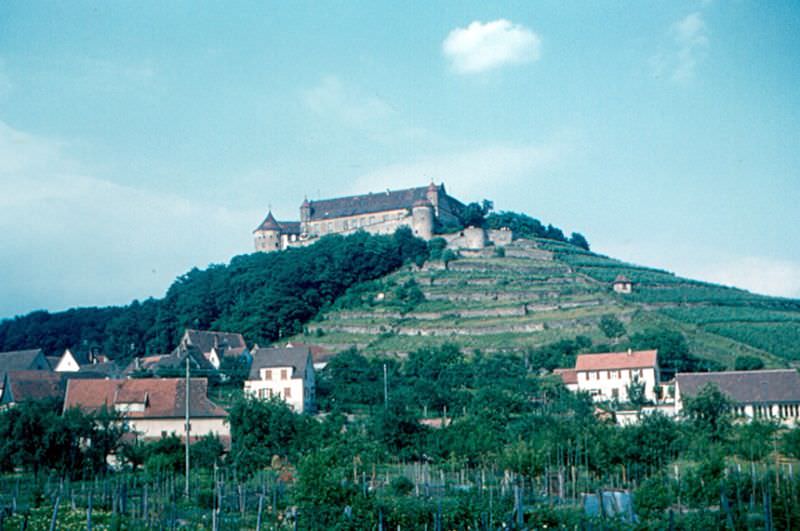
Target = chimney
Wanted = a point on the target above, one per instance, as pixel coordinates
(630, 352)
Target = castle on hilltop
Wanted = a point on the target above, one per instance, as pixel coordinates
(421, 209)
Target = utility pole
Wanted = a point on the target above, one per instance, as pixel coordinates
(385, 388)
(188, 429)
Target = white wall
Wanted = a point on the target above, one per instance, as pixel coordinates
(155, 428)
(601, 384)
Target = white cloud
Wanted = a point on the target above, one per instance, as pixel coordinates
(331, 98)
(688, 48)
(474, 174)
(340, 105)
(75, 239)
(480, 47)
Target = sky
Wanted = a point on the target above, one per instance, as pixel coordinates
(141, 139)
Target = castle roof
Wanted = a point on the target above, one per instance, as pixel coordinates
(286, 227)
(368, 203)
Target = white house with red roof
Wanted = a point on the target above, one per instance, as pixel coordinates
(607, 376)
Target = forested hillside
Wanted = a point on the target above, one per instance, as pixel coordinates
(263, 296)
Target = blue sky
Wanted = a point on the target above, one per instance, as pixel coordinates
(140, 139)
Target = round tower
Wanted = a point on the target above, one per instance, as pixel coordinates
(305, 215)
(268, 235)
(433, 197)
(422, 219)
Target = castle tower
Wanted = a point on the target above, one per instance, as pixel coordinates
(305, 216)
(422, 219)
(433, 196)
(268, 235)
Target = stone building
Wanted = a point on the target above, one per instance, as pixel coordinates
(422, 209)
(286, 373)
(607, 376)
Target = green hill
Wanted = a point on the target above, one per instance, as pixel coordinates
(538, 291)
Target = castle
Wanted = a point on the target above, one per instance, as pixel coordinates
(422, 209)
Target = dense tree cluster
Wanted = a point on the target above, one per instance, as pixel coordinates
(525, 226)
(264, 296)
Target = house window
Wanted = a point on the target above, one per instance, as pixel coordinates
(615, 393)
(268, 374)
(287, 392)
(619, 374)
(283, 374)
(608, 375)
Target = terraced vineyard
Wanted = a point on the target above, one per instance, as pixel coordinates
(537, 291)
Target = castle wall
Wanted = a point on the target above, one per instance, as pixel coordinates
(422, 221)
(375, 223)
(500, 236)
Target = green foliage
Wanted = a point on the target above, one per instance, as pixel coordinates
(709, 410)
(474, 214)
(524, 226)
(206, 451)
(636, 393)
(754, 440)
(578, 240)
(782, 339)
(36, 437)
(559, 354)
(748, 363)
(261, 429)
(611, 327)
(164, 455)
(790, 443)
(436, 247)
(673, 350)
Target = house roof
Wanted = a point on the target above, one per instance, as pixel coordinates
(265, 358)
(779, 385)
(568, 376)
(368, 203)
(22, 386)
(231, 344)
(622, 279)
(636, 359)
(23, 360)
(163, 397)
(319, 354)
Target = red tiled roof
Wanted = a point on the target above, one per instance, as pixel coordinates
(636, 359)
(568, 376)
(165, 397)
(32, 385)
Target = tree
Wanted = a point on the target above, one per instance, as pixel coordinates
(260, 429)
(474, 214)
(611, 327)
(748, 363)
(206, 451)
(578, 240)
(709, 411)
(636, 393)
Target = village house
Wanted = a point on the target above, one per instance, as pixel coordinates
(152, 408)
(25, 386)
(765, 395)
(22, 360)
(608, 376)
(73, 361)
(215, 346)
(287, 373)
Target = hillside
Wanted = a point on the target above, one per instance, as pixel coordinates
(539, 291)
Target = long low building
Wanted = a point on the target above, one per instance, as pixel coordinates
(767, 395)
(152, 407)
